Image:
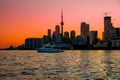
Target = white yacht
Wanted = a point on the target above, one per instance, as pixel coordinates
(50, 48)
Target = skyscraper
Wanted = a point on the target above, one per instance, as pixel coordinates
(62, 23)
(84, 32)
(57, 30)
(58, 37)
(92, 37)
(109, 31)
(117, 32)
(72, 37)
(49, 33)
(72, 34)
(66, 35)
(53, 36)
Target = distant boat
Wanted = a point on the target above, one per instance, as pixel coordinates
(51, 48)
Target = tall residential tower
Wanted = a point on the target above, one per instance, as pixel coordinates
(108, 29)
(84, 32)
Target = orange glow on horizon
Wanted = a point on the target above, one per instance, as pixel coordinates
(21, 19)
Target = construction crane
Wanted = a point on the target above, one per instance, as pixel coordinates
(106, 13)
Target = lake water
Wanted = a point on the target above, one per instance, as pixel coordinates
(68, 65)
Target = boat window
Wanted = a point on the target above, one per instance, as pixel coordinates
(47, 47)
(56, 48)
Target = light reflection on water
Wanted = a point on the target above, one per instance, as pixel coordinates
(69, 65)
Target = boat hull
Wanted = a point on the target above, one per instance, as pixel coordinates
(50, 50)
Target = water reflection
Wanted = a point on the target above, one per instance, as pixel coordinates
(91, 62)
(70, 65)
(112, 66)
(108, 62)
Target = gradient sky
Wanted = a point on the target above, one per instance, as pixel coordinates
(20, 19)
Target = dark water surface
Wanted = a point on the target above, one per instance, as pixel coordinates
(69, 65)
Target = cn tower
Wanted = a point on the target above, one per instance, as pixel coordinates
(62, 23)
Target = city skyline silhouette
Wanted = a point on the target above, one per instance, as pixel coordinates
(19, 23)
(88, 39)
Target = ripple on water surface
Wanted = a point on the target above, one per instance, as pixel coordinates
(68, 65)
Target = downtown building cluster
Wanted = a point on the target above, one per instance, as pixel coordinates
(86, 40)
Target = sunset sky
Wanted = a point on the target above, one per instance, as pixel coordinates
(20, 19)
